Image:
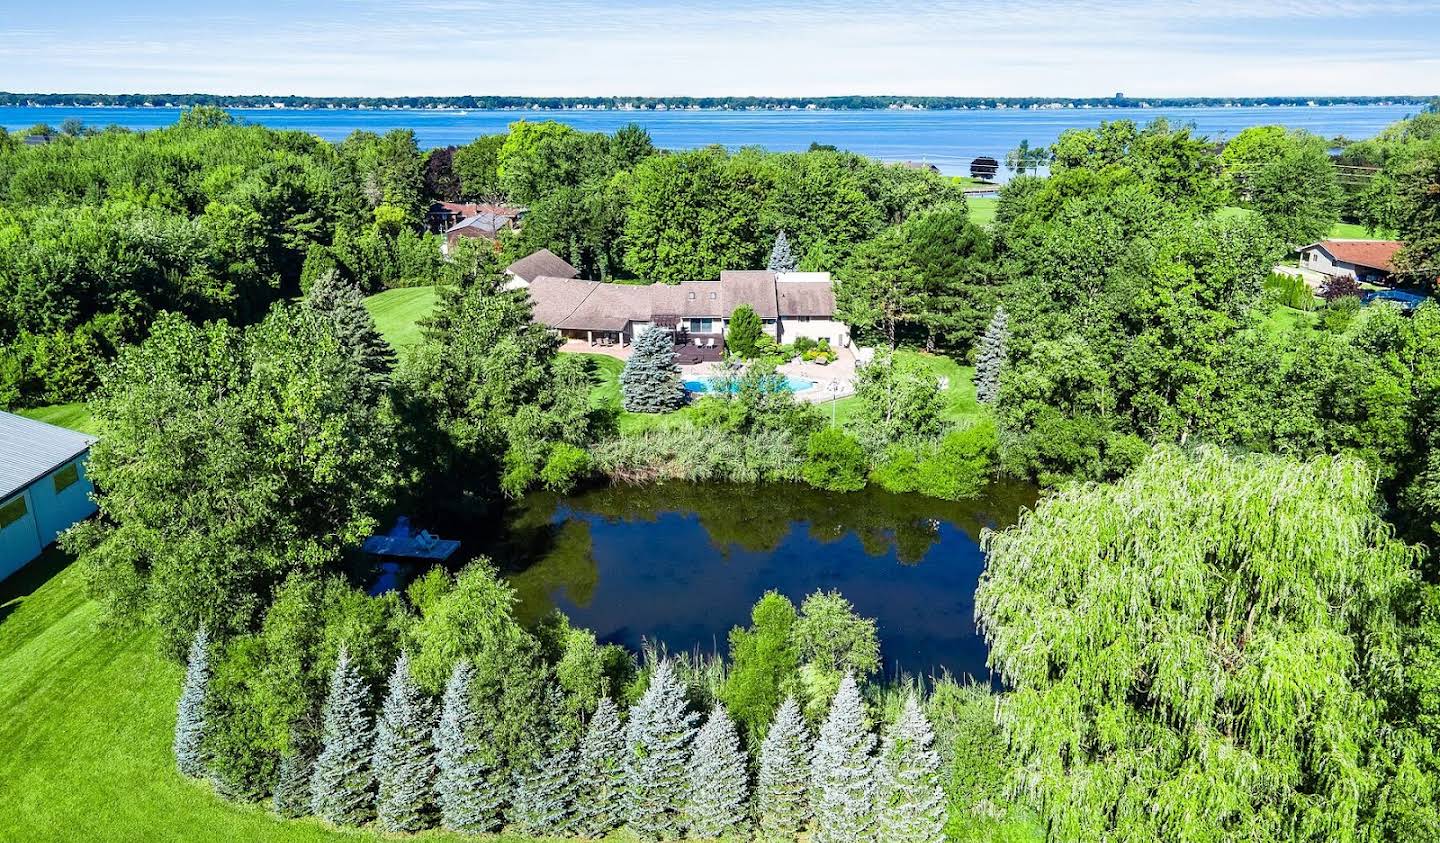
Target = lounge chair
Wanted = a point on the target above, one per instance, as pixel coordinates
(710, 343)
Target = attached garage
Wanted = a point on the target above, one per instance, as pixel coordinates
(43, 487)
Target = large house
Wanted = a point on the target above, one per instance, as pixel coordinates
(43, 487)
(790, 305)
(1365, 260)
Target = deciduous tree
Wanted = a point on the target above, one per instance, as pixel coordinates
(1144, 626)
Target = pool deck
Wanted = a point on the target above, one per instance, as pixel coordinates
(840, 375)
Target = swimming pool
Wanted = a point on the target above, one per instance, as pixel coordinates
(792, 384)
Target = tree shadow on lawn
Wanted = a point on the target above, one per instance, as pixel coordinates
(15, 588)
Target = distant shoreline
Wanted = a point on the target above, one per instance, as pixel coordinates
(844, 103)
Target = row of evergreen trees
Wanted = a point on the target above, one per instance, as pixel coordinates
(415, 768)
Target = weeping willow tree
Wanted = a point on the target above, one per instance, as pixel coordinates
(1190, 649)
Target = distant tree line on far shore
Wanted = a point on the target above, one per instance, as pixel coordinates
(844, 103)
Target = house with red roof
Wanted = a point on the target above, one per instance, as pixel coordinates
(1370, 261)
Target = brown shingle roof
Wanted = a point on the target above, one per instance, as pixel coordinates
(806, 298)
(576, 304)
(541, 263)
(1375, 254)
(755, 287)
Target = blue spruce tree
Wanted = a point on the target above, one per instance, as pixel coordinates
(190, 712)
(404, 755)
(990, 358)
(342, 785)
(782, 803)
(601, 771)
(469, 802)
(292, 781)
(657, 739)
(842, 780)
(650, 381)
(544, 797)
(912, 802)
(718, 779)
(781, 258)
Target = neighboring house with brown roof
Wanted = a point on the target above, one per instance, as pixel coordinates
(920, 165)
(790, 305)
(543, 263)
(485, 225)
(1366, 260)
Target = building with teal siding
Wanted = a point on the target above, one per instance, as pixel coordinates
(43, 487)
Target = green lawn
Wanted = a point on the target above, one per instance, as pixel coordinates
(89, 713)
(1283, 320)
(1340, 230)
(398, 312)
(74, 416)
(982, 209)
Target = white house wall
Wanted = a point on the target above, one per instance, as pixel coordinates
(816, 329)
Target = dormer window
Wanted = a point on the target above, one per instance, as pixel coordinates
(713, 295)
(691, 296)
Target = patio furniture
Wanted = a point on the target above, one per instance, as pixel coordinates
(710, 343)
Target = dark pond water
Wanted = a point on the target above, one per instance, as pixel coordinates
(682, 564)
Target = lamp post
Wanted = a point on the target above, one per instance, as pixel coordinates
(833, 387)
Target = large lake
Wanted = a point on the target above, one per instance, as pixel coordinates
(949, 139)
(682, 564)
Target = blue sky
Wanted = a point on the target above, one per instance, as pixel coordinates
(780, 47)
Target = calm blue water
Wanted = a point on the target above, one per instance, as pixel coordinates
(682, 564)
(948, 139)
(792, 383)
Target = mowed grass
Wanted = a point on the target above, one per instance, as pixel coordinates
(74, 416)
(1340, 230)
(397, 314)
(982, 209)
(89, 715)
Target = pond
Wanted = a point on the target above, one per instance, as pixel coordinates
(682, 564)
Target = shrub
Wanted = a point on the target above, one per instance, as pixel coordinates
(803, 344)
(1339, 287)
(960, 465)
(1340, 314)
(744, 331)
(1290, 291)
(898, 470)
(567, 466)
(835, 461)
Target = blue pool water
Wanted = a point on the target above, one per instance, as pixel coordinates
(793, 384)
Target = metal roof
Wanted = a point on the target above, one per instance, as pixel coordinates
(29, 450)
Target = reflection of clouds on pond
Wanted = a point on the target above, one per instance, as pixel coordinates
(683, 564)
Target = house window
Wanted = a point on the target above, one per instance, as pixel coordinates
(12, 512)
(702, 326)
(66, 477)
(803, 318)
